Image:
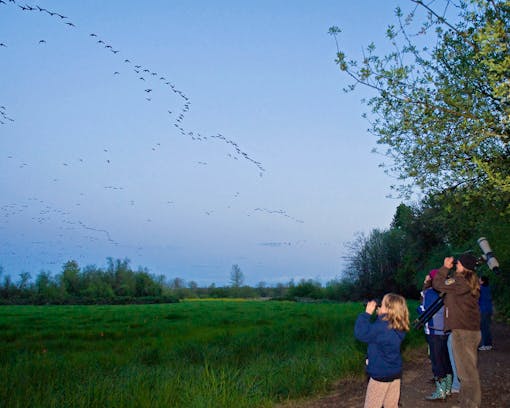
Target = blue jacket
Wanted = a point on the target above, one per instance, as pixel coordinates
(384, 359)
(436, 324)
(485, 300)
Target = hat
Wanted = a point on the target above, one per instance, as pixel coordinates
(432, 273)
(468, 261)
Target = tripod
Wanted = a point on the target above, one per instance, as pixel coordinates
(431, 311)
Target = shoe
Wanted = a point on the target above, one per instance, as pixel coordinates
(448, 384)
(440, 393)
(485, 348)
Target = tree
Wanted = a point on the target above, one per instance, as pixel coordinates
(124, 283)
(375, 265)
(46, 288)
(24, 281)
(236, 276)
(443, 112)
(70, 278)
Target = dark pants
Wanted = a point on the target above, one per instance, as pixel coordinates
(432, 360)
(441, 365)
(485, 327)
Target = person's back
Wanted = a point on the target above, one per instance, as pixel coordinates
(383, 352)
(485, 303)
(384, 337)
(436, 325)
(437, 339)
(463, 318)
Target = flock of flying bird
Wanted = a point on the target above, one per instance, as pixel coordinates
(154, 83)
(144, 73)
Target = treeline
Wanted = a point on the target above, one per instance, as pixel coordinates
(395, 259)
(420, 236)
(117, 283)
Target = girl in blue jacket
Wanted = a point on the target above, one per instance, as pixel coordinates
(384, 337)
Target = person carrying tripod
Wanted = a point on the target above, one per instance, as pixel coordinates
(462, 317)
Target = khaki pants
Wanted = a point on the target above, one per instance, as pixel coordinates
(381, 394)
(465, 350)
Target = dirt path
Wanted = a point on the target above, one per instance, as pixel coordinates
(494, 367)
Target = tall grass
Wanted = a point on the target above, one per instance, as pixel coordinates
(192, 354)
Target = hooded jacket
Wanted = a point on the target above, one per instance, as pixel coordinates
(435, 326)
(384, 359)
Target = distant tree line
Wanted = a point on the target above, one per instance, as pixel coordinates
(394, 259)
(117, 283)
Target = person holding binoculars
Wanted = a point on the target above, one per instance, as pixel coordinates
(384, 337)
(462, 318)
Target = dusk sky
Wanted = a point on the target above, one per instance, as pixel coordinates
(187, 136)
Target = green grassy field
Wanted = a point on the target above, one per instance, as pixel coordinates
(190, 354)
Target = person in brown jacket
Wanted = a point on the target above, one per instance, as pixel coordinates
(462, 317)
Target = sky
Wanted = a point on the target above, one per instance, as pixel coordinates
(187, 136)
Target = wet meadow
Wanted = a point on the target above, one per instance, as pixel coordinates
(189, 354)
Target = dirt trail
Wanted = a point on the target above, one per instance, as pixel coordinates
(494, 368)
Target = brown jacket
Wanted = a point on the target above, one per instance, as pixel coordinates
(461, 307)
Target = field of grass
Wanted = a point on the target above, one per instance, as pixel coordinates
(190, 354)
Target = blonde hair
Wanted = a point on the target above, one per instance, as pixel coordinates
(472, 280)
(397, 313)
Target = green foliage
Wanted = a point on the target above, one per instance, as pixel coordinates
(376, 265)
(190, 354)
(306, 289)
(441, 102)
(420, 236)
(118, 284)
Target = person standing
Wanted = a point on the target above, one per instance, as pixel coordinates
(462, 314)
(384, 337)
(485, 303)
(437, 339)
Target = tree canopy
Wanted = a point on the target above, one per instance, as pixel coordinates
(442, 97)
